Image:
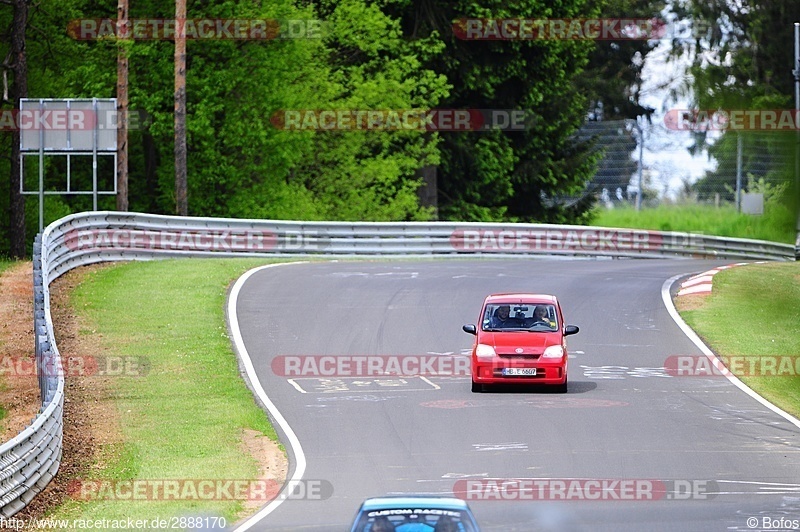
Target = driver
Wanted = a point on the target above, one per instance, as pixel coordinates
(540, 315)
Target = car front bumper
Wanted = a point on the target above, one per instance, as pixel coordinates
(490, 370)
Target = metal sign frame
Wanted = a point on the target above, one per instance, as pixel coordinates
(72, 143)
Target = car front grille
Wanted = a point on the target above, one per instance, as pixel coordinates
(523, 356)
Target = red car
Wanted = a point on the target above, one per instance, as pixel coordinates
(521, 339)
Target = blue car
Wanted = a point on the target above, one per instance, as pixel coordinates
(409, 513)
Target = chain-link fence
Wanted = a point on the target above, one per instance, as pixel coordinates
(687, 167)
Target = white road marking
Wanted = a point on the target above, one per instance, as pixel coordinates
(258, 389)
(673, 312)
(623, 372)
(513, 446)
(400, 275)
(357, 398)
(317, 385)
(297, 386)
(435, 386)
(764, 488)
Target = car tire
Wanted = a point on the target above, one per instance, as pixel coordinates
(562, 388)
(476, 387)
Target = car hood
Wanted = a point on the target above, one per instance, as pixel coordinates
(531, 343)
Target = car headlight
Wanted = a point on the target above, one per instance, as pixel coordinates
(484, 350)
(554, 351)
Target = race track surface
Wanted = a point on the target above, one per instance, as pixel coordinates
(624, 417)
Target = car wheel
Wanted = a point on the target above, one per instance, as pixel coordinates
(476, 387)
(562, 388)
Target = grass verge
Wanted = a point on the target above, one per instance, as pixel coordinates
(754, 311)
(776, 225)
(182, 418)
(4, 265)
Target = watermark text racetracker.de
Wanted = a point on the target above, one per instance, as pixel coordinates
(192, 489)
(198, 240)
(76, 366)
(526, 29)
(70, 119)
(370, 366)
(141, 29)
(583, 489)
(457, 120)
(572, 29)
(727, 365)
(732, 120)
(596, 240)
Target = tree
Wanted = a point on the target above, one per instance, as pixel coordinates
(742, 59)
(504, 175)
(181, 201)
(122, 111)
(372, 174)
(612, 79)
(16, 62)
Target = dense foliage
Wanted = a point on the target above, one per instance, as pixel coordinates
(386, 55)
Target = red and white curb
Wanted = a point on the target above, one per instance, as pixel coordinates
(701, 283)
(718, 363)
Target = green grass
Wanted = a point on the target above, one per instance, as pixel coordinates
(776, 225)
(754, 311)
(5, 264)
(184, 419)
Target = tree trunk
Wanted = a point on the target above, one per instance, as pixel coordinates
(122, 112)
(181, 201)
(427, 192)
(19, 89)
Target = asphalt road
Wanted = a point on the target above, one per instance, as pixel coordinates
(624, 418)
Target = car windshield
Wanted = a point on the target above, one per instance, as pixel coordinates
(415, 519)
(520, 316)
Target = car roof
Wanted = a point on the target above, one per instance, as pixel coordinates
(405, 501)
(521, 298)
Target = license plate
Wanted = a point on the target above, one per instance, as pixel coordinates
(519, 372)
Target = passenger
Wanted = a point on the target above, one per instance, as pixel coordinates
(501, 317)
(382, 524)
(446, 524)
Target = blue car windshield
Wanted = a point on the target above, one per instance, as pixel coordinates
(415, 520)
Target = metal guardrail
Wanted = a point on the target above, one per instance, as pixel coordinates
(30, 460)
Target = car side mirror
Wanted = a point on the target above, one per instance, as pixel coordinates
(571, 329)
(469, 329)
